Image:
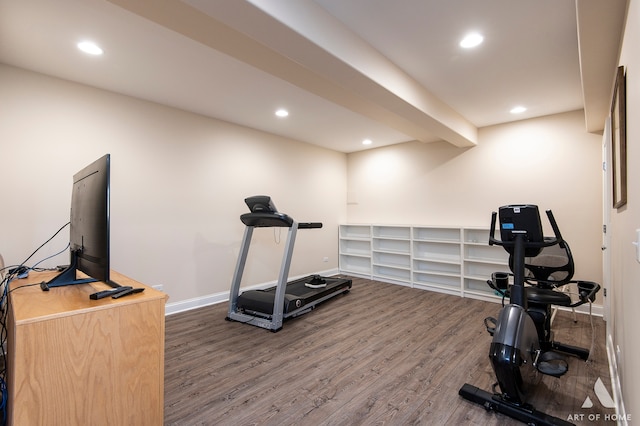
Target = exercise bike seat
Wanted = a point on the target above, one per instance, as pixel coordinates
(547, 296)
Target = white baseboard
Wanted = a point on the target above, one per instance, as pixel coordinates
(212, 299)
(615, 384)
(198, 302)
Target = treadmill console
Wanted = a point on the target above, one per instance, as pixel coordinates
(261, 204)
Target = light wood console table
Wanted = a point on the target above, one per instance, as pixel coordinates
(76, 361)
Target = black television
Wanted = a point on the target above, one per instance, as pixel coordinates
(89, 230)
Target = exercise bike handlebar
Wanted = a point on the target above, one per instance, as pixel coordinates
(556, 230)
(557, 239)
(586, 292)
(492, 235)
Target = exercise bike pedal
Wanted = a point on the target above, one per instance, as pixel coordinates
(490, 324)
(552, 363)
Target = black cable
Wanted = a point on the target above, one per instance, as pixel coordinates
(4, 308)
(23, 286)
(33, 268)
(43, 244)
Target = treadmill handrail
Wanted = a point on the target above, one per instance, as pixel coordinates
(275, 219)
(309, 225)
(263, 220)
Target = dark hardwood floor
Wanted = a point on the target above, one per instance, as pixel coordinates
(380, 355)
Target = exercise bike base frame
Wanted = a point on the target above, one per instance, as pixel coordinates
(581, 353)
(496, 403)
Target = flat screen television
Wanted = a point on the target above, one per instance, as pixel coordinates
(89, 231)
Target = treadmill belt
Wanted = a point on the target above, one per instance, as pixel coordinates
(297, 295)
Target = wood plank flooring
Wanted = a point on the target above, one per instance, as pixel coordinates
(381, 355)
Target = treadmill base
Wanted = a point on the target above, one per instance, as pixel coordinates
(255, 307)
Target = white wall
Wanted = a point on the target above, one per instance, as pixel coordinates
(625, 285)
(550, 161)
(177, 188)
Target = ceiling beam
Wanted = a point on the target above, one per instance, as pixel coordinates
(600, 30)
(302, 44)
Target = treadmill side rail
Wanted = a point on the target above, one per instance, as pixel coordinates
(274, 323)
(237, 274)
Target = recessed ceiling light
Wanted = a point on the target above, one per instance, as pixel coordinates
(90, 48)
(282, 113)
(518, 110)
(471, 40)
(367, 142)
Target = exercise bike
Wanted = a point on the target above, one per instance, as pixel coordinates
(522, 346)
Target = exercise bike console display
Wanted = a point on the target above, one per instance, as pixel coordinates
(521, 220)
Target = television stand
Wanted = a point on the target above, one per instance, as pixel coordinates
(73, 360)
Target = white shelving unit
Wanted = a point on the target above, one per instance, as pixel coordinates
(453, 260)
(480, 261)
(391, 254)
(355, 250)
(437, 261)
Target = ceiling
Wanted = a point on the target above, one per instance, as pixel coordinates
(388, 71)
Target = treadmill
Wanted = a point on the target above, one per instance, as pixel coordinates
(268, 308)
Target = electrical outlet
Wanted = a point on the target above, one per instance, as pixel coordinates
(158, 287)
(325, 259)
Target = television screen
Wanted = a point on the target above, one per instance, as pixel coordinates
(89, 234)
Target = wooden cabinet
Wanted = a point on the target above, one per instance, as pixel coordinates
(454, 260)
(76, 361)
